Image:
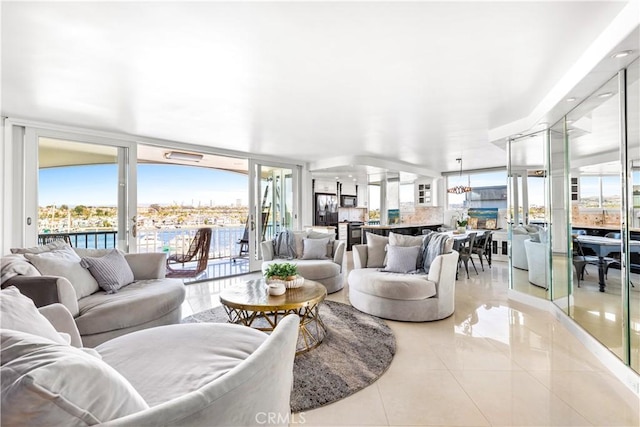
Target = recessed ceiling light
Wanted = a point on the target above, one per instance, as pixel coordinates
(572, 99)
(355, 180)
(350, 176)
(622, 54)
(337, 177)
(605, 95)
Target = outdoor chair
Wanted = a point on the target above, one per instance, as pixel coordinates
(43, 239)
(198, 250)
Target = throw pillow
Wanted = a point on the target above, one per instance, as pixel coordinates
(65, 263)
(57, 244)
(53, 384)
(16, 265)
(111, 271)
(18, 312)
(317, 235)
(315, 248)
(402, 259)
(396, 239)
(376, 250)
(298, 237)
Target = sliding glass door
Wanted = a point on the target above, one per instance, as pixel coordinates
(274, 204)
(82, 193)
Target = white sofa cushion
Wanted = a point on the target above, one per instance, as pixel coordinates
(392, 285)
(19, 313)
(312, 269)
(135, 304)
(396, 239)
(376, 250)
(57, 244)
(16, 265)
(64, 262)
(58, 384)
(194, 346)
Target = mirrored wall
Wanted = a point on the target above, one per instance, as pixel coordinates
(528, 214)
(574, 213)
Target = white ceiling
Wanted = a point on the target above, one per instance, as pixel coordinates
(337, 84)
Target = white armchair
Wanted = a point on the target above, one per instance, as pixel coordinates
(538, 261)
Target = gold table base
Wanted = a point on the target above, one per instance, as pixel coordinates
(250, 304)
(312, 329)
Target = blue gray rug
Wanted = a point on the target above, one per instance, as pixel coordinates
(357, 350)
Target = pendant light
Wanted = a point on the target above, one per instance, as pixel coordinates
(459, 189)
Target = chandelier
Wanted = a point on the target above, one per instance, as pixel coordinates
(459, 189)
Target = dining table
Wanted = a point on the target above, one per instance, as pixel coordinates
(604, 246)
(460, 238)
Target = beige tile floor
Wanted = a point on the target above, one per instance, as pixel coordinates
(495, 362)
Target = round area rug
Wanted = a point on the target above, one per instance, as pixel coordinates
(358, 349)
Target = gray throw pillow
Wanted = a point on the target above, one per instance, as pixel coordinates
(111, 271)
(402, 259)
(315, 248)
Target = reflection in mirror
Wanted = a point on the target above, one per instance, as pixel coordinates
(561, 192)
(633, 159)
(593, 133)
(528, 214)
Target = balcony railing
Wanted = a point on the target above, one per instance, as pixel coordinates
(224, 240)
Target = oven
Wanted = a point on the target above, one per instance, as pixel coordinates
(354, 234)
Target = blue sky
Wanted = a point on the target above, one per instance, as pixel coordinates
(96, 185)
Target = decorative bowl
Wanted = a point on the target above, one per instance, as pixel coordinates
(295, 283)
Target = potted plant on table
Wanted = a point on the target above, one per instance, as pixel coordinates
(284, 272)
(462, 223)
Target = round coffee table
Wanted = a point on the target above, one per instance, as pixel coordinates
(250, 304)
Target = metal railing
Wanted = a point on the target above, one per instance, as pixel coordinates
(224, 240)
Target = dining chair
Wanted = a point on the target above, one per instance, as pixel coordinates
(482, 247)
(466, 250)
(615, 259)
(579, 259)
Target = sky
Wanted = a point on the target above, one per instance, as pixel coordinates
(96, 185)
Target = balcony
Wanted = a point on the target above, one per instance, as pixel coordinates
(224, 252)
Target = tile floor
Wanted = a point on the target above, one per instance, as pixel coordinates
(495, 362)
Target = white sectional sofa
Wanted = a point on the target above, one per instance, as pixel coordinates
(148, 300)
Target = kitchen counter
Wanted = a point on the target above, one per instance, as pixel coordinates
(409, 229)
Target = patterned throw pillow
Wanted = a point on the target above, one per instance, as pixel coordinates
(402, 259)
(111, 271)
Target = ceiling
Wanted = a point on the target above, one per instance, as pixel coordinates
(348, 87)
